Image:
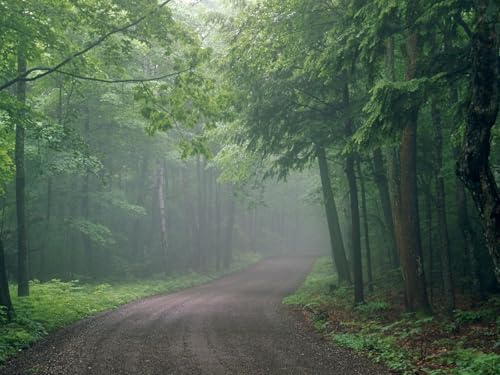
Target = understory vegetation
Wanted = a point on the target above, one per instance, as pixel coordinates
(466, 344)
(56, 303)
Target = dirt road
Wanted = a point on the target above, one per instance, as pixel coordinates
(235, 325)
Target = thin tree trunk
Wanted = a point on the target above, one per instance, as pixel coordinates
(140, 200)
(473, 164)
(380, 178)
(441, 211)
(354, 208)
(22, 249)
(87, 245)
(218, 242)
(199, 216)
(365, 227)
(5, 299)
(162, 188)
(228, 247)
(190, 221)
(337, 245)
(428, 201)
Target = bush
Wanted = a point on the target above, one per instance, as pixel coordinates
(473, 362)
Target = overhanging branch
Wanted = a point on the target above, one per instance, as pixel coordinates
(48, 70)
(131, 80)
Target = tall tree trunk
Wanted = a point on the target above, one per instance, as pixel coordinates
(218, 242)
(410, 245)
(136, 239)
(337, 245)
(471, 263)
(162, 188)
(441, 211)
(199, 216)
(228, 246)
(428, 201)
(5, 300)
(85, 207)
(380, 178)
(365, 227)
(205, 236)
(468, 242)
(22, 249)
(393, 159)
(189, 223)
(354, 208)
(473, 164)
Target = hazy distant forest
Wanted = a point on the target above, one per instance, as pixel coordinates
(145, 139)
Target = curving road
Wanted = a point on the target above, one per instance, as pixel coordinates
(235, 326)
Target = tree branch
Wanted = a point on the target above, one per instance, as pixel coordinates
(48, 70)
(132, 80)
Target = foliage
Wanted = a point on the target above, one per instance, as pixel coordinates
(400, 341)
(472, 361)
(382, 349)
(97, 233)
(373, 308)
(316, 288)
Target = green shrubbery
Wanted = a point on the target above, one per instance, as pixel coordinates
(56, 303)
(397, 341)
(317, 286)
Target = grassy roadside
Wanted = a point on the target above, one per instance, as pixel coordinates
(55, 304)
(468, 344)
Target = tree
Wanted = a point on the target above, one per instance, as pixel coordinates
(473, 164)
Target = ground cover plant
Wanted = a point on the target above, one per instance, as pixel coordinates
(57, 303)
(466, 343)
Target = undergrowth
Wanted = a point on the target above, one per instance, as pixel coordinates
(54, 304)
(468, 344)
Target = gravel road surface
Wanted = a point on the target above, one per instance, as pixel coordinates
(235, 325)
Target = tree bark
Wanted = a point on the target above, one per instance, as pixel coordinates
(228, 246)
(190, 223)
(337, 245)
(473, 164)
(22, 249)
(357, 265)
(441, 211)
(410, 245)
(430, 269)
(365, 227)
(137, 248)
(199, 216)
(380, 178)
(85, 209)
(162, 188)
(5, 299)
(468, 242)
(393, 162)
(218, 242)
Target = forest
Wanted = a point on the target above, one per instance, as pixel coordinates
(152, 145)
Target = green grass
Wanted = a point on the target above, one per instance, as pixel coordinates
(316, 288)
(54, 304)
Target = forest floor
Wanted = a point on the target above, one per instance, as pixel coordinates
(467, 344)
(234, 325)
(55, 304)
